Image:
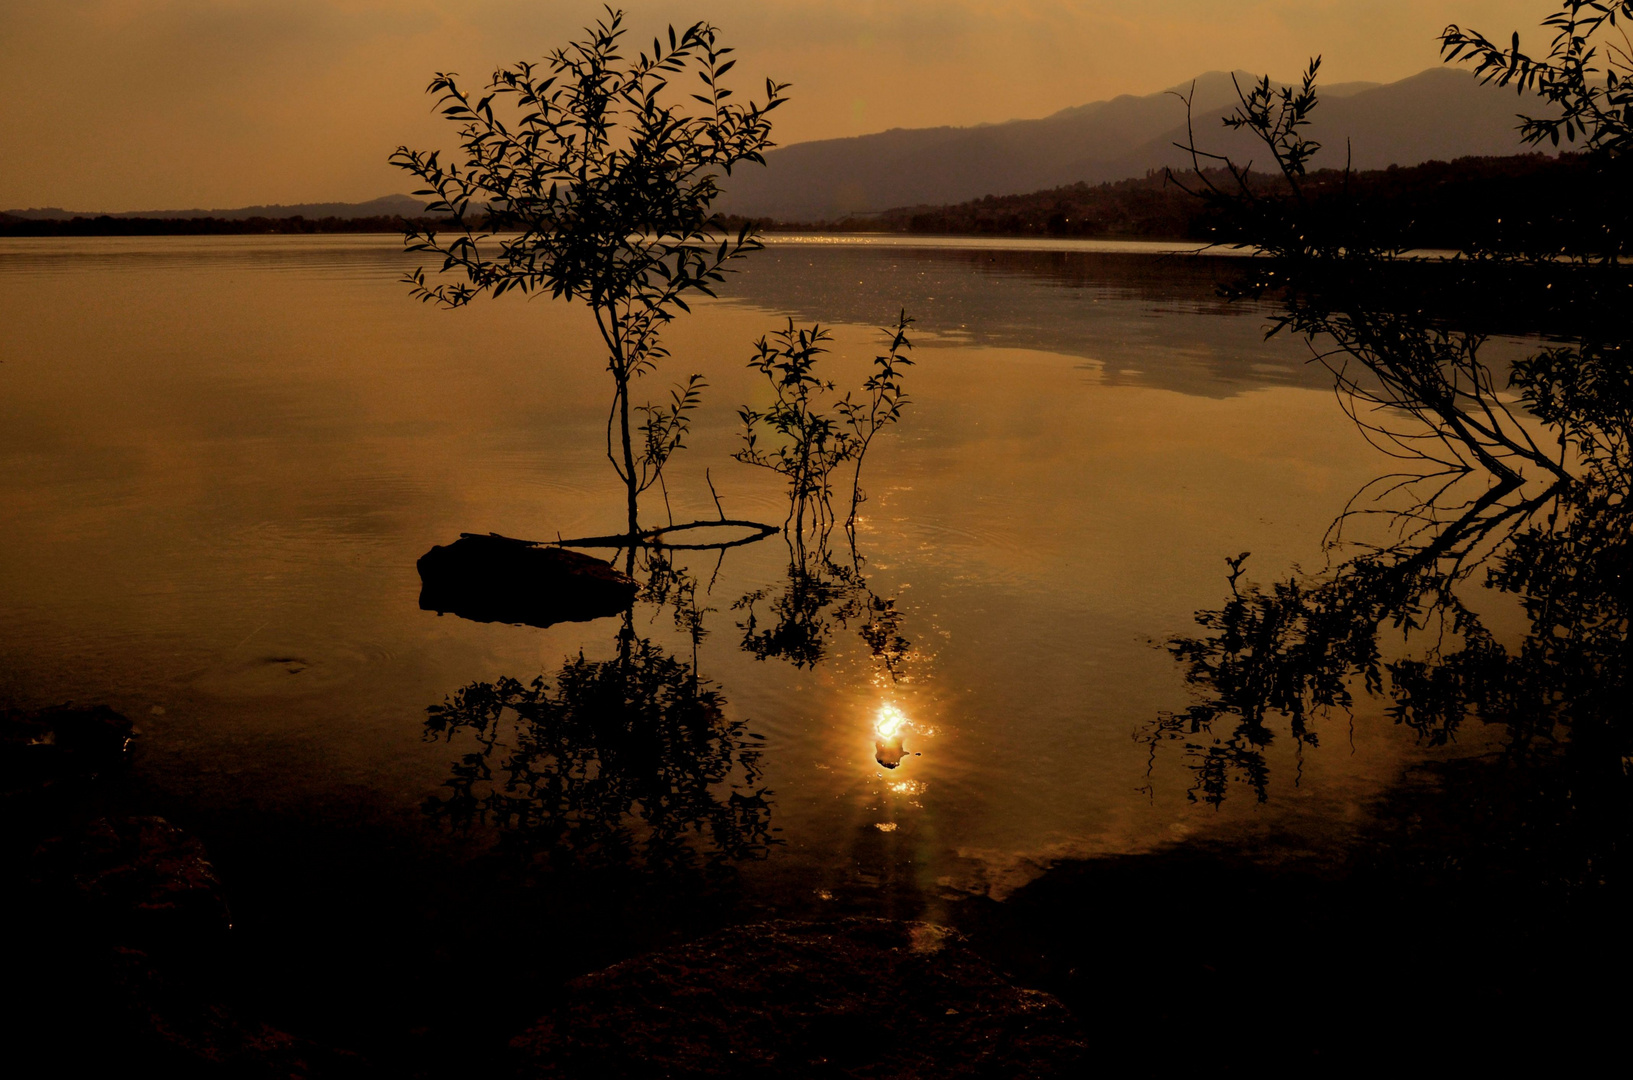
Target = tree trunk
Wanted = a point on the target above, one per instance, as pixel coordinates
(631, 481)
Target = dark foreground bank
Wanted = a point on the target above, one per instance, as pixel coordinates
(1479, 923)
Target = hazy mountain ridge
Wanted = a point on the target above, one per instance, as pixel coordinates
(1439, 114)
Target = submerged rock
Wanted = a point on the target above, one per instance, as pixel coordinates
(40, 747)
(497, 579)
(872, 998)
(131, 958)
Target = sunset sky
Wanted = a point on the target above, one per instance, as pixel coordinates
(160, 104)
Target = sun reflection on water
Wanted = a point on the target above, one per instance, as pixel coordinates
(888, 728)
(889, 723)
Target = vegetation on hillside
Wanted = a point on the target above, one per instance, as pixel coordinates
(1437, 204)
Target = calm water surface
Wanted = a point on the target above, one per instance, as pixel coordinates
(222, 457)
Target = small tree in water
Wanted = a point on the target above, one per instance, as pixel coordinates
(598, 188)
(811, 436)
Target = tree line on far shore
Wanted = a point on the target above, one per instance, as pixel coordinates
(1438, 204)
(106, 225)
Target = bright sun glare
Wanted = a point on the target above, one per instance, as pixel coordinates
(889, 723)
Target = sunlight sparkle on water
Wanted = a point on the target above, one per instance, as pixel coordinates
(889, 723)
(888, 728)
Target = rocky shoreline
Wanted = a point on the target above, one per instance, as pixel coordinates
(129, 961)
(1488, 892)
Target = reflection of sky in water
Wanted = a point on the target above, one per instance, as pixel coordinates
(1151, 320)
(221, 458)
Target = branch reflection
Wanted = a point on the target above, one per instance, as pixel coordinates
(625, 762)
(819, 593)
(1396, 617)
(633, 761)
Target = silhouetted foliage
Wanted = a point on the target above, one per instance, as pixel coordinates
(598, 187)
(877, 406)
(1393, 619)
(1586, 77)
(820, 593)
(1586, 74)
(625, 762)
(1415, 386)
(809, 433)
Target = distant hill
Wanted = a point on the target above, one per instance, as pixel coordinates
(1490, 201)
(1439, 114)
(387, 206)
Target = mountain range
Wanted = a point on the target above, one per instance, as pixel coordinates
(1439, 114)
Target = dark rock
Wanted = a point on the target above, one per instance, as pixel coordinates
(133, 968)
(137, 880)
(180, 1031)
(497, 579)
(888, 751)
(41, 747)
(858, 998)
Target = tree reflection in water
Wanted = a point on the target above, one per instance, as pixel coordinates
(633, 761)
(1547, 523)
(625, 762)
(1304, 644)
(820, 592)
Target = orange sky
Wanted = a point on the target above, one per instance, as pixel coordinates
(159, 104)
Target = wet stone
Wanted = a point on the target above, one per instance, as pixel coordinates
(872, 998)
(175, 1030)
(139, 880)
(130, 956)
(41, 747)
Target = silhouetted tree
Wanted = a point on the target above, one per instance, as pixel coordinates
(809, 435)
(598, 187)
(1586, 75)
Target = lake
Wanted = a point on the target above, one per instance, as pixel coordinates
(223, 456)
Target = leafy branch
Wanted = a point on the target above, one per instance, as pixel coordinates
(804, 438)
